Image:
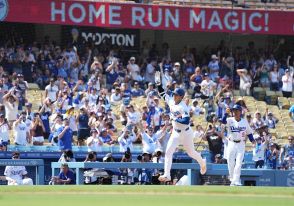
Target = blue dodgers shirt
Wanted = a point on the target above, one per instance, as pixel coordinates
(69, 175)
(83, 121)
(65, 143)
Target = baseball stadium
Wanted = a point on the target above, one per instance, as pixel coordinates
(118, 102)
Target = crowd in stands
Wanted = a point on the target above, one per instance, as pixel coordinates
(99, 96)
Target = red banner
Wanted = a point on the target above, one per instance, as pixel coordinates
(140, 16)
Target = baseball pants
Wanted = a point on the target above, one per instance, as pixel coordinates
(26, 181)
(185, 138)
(235, 158)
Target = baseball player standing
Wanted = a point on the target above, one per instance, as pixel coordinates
(181, 133)
(238, 131)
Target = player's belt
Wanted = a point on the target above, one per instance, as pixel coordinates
(236, 141)
(179, 131)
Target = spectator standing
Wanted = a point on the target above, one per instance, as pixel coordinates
(10, 101)
(21, 131)
(4, 131)
(259, 151)
(126, 140)
(274, 78)
(65, 136)
(134, 70)
(51, 91)
(272, 156)
(288, 149)
(287, 80)
(245, 82)
(291, 112)
(270, 120)
(150, 72)
(83, 126)
(93, 142)
(215, 142)
(137, 91)
(105, 137)
(37, 130)
(213, 66)
(207, 86)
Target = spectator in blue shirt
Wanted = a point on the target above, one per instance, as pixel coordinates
(137, 91)
(83, 126)
(291, 112)
(272, 156)
(65, 177)
(65, 136)
(105, 137)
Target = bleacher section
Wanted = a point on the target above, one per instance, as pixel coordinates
(283, 129)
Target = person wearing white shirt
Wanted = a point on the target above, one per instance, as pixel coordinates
(259, 148)
(245, 82)
(126, 140)
(207, 86)
(93, 142)
(195, 109)
(10, 101)
(4, 131)
(133, 117)
(150, 72)
(287, 87)
(21, 134)
(116, 97)
(134, 70)
(51, 91)
(214, 67)
(93, 96)
(199, 132)
(17, 175)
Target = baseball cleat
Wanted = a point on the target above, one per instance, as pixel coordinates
(163, 178)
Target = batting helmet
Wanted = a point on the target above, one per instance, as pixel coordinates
(237, 107)
(179, 91)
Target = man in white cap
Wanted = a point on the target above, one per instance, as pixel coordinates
(134, 70)
(214, 67)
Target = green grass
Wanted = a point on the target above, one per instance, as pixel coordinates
(145, 195)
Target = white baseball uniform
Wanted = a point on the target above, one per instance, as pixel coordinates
(237, 135)
(181, 133)
(14, 175)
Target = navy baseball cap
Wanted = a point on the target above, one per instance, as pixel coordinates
(237, 107)
(180, 92)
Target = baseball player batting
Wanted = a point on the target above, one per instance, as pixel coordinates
(181, 133)
(238, 131)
